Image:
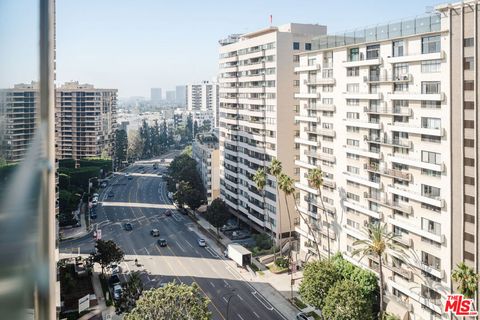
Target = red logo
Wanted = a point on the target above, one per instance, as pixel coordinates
(459, 306)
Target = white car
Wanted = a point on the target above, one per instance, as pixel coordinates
(201, 243)
(117, 292)
(95, 195)
(115, 268)
(127, 174)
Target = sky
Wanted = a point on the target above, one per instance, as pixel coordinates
(134, 45)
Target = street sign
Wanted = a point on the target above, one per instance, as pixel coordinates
(83, 303)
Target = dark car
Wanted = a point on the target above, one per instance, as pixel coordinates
(128, 226)
(168, 213)
(162, 242)
(111, 194)
(93, 215)
(114, 279)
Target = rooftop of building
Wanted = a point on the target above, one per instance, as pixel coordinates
(75, 85)
(207, 139)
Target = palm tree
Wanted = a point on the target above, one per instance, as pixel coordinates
(275, 170)
(379, 241)
(285, 183)
(467, 280)
(315, 178)
(260, 179)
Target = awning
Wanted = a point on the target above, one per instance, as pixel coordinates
(398, 309)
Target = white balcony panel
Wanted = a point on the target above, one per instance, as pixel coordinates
(363, 124)
(361, 63)
(312, 67)
(417, 57)
(362, 181)
(416, 96)
(307, 95)
(438, 202)
(359, 208)
(407, 225)
(411, 128)
(417, 163)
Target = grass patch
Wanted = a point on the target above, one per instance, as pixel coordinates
(299, 303)
(276, 269)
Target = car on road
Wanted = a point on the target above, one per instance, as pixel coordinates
(168, 213)
(111, 194)
(93, 214)
(115, 268)
(95, 195)
(155, 232)
(303, 316)
(143, 172)
(201, 242)
(117, 292)
(128, 226)
(114, 280)
(127, 174)
(103, 185)
(160, 175)
(95, 202)
(162, 242)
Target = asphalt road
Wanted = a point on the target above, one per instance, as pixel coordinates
(143, 201)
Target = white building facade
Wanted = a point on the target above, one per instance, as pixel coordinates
(202, 96)
(257, 86)
(374, 116)
(205, 152)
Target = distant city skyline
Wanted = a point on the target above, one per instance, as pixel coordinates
(157, 44)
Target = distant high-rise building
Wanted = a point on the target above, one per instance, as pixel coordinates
(202, 96)
(85, 121)
(170, 96)
(18, 120)
(205, 152)
(156, 95)
(257, 110)
(181, 95)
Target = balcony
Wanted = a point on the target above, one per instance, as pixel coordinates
(363, 95)
(329, 183)
(389, 111)
(306, 188)
(320, 155)
(354, 232)
(417, 57)
(307, 95)
(363, 181)
(307, 142)
(304, 118)
(320, 81)
(363, 152)
(400, 143)
(363, 124)
(410, 227)
(305, 164)
(321, 107)
(404, 192)
(384, 201)
(326, 132)
(417, 163)
(417, 96)
(306, 68)
(388, 78)
(402, 239)
(362, 209)
(415, 128)
(362, 62)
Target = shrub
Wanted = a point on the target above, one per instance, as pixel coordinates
(281, 262)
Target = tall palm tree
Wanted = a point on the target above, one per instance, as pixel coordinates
(275, 169)
(285, 183)
(467, 280)
(379, 241)
(260, 179)
(315, 178)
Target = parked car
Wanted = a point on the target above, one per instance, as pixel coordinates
(114, 280)
(93, 214)
(201, 242)
(117, 292)
(94, 202)
(303, 316)
(168, 213)
(128, 226)
(155, 232)
(111, 194)
(127, 174)
(95, 195)
(115, 268)
(103, 184)
(162, 242)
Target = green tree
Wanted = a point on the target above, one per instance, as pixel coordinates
(189, 128)
(194, 198)
(318, 277)
(135, 145)
(344, 302)
(379, 241)
(121, 148)
(174, 301)
(285, 183)
(275, 169)
(107, 253)
(466, 279)
(180, 196)
(315, 178)
(217, 213)
(260, 179)
(131, 292)
(68, 202)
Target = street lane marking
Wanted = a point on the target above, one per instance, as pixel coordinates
(146, 251)
(211, 283)
(262, 300)
(240, 317)
(181, 248)
(240, 297)
(234, 274)
(225, 299)
(226, 283)
(177, 217)
(137, 205)
(256, 315)
(213, 253)
(189, 243)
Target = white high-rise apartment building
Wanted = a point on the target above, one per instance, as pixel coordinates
(375, 117)
(205, 152)
(85, 121)
(202, 96)
(256, 119)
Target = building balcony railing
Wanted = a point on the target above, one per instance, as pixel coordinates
(363, 152)
(384, 201)
(371, 183)
(389, 111)
(307, 95)
(321, 107)
(305, 68)
(320, 155)
(363, 95)
(401, 143)
(398, 174)
(326, 132)
(387, 78)
(415, 128)
(360, 61)
(440, 96)
(364, 124)
(364, 210)
(413, 195)
(319, 81)
(417, 163)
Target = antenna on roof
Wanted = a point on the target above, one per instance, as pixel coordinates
(429, 9)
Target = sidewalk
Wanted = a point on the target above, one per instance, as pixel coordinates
(76, 233)
(274, 287)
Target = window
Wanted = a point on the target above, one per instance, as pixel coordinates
(353, 102)
(430, 191)
(431, 173)
(400, 69)
(353, 115)
(469, 180)
(468, 105)
(353, 71)
(327, 150)
(431, 157)
(353, 54)
(353, 156)
(400, 87)
(469, 143)
(430, 87)
(430, 44)
(326, 125)
(327, 88)
(353, 196)
(468, 85)
(468, 42)
(434, 139)
(431, 226)
(296, 58)
(353, 129)
(469, 162)
(469, 218)
(327, 73)
(296, 46)
(431, 123)
(296, 83)
(308, 46)
(373, 51)
(327, 101)
(469, 199)
(398, 48)
(468, 63)
(431, 66)
(469, 124)
(312, 61)
(353, 87)
(352, 169)
(431, 104)
(353, 142)
(431, 260)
